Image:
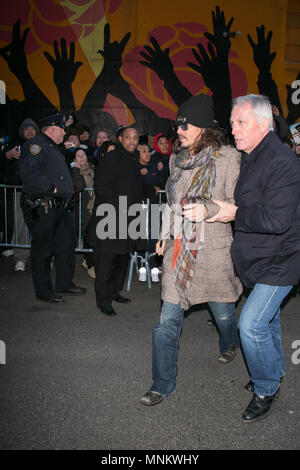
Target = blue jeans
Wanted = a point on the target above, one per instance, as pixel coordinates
(260, 334)
(166, 336)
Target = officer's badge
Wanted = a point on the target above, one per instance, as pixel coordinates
(35, 149)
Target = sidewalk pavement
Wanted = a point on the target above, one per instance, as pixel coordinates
(72, 378)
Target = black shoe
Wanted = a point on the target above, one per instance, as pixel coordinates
(108, 310)
(54, 299)
(259, 407)
(121, 299)
(73, 290)
(249, 387)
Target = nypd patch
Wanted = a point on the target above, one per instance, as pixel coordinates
(35, 149)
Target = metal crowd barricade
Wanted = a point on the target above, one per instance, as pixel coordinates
(13, 192)
(144, 259)
(10, 206)
(80, 242)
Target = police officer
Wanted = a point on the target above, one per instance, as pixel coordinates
(48, 190)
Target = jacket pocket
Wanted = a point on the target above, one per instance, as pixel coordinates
(220, 242)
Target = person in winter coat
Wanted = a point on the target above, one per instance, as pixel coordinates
(197, 265)
(266, 246)
(82, 174)
(118, 188)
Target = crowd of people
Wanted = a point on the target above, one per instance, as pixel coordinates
(83, 149)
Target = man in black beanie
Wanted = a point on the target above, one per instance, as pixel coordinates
(197, 266)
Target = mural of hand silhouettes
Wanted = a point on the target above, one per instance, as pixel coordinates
(160, 62)
(222, 34)
(212, 67)
(157, 60)
(112, 51)
(14, 54)
(293, 103)
(263, 58)
(64, 73)
(112, 55)
(111, 81)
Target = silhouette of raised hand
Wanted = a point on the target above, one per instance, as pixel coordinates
(221, 35)
(14, 53)
(111, 81)
(210, 66)
(112, 51)
(263, 59)
(110, 73)
(64, 67)
(291, 101)
(262, 56)
(15, 56)
(157, 59)
(64, 73)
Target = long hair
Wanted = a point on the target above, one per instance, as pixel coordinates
(213, 138)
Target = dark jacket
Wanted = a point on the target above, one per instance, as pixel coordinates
(152, 178)
(9, 168)
(83, 196)
(266, 245)
(117, 174)
(43, 168)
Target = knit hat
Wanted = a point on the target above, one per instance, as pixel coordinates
(198, 111)
(27, 123)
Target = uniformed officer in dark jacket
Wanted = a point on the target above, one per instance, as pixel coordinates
(116, 175)
(48, 191)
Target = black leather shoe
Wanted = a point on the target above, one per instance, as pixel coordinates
(249, 387)
(122, 300)
(259, 407)
(108, 310)
(54, 299)
(73, 290)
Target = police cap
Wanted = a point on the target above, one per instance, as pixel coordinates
(57, 119)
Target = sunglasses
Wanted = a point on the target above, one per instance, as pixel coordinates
(182, 123)
(183, 126)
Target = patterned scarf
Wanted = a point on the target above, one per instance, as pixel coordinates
(189, 241)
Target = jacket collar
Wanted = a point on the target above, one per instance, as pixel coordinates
(49, 140)
(132, 155)
(252, 156)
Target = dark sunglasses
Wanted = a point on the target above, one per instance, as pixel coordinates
(182, 122)
(183, 126)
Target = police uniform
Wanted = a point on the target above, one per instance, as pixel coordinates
(42, 169)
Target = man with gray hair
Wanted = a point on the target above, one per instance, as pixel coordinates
(266, 246)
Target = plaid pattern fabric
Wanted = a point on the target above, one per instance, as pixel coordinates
(189, 240)
(184, 259)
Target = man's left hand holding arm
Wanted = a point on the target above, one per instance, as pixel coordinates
(226, 213)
